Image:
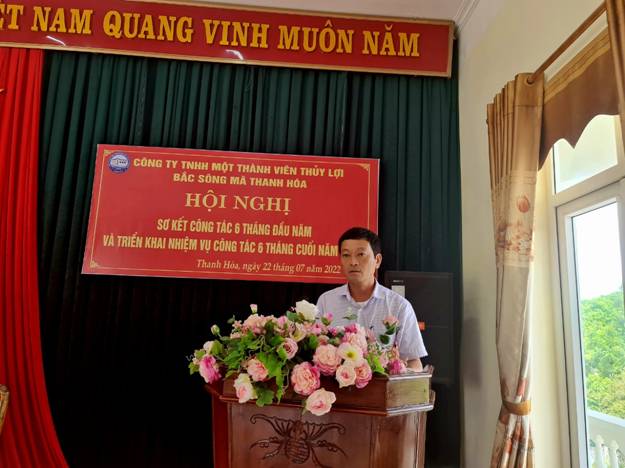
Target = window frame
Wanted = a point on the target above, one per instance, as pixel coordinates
(596, 191)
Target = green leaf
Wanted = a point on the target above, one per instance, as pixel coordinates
(217, 348)
(313, 342)
(385, 339)
(293, 317)
(275, 341)
(265, 396)
(231, 320)
(391, 330)
(272, 363)
(282, 353)
(279, 393)
(233, 359)
(351, 317)
(374, 363)
(193, 368)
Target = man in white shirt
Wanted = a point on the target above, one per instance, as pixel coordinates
(365, 301)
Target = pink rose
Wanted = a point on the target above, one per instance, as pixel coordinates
(326, 318)
(257, 370)
(282, 321)
(320, 402)
(305, 378)
(327, 359)
(345, 375)
(244, 388)
(363, 375)
(390, 320)
(209, 369)
(255, 323)
(351, 328)
(323, 339)
(290, 346)
(396, 366)
(356, 339)
(315, 329)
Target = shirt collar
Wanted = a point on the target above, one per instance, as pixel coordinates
(377, 292)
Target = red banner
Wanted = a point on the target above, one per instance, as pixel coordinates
(225, 34)
(219, 214)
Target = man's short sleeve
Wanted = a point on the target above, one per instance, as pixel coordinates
(321, 304)
(409, 339)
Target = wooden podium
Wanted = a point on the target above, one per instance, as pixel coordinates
(382, 425)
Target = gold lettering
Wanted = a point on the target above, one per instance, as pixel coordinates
(345, 41)
(80, 23)
(388, 48)
(184, 30)
(112, 24)
(289, 37)
(259, 33)
(225, 25)
(239, 35)
(308, 47)
(128, 17)
(40, 22)
(166, 28)
(327, 38)
(371, 42)
(147, 28)
(210, 30)
(15, 11)
(58, 23)
(409, 45)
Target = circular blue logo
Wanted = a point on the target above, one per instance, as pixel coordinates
(119, 162)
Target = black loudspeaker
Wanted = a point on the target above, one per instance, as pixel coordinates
(431, 296)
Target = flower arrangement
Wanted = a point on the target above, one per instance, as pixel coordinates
(269, 353)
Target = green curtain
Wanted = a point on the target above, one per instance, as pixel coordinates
(115, 347)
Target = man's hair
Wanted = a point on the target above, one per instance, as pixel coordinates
(360, 233)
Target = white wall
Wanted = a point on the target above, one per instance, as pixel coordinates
(503, 38)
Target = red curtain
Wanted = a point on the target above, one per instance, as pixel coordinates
(28, 438)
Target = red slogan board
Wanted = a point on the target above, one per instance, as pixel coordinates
(218, 214)
(226, 34)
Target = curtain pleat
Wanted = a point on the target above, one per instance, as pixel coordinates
(514, 123)
(117, 347)
(28, 438)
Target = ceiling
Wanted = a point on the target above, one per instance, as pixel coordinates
(455, 10)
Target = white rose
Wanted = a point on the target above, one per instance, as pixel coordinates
(306, 310)
(244, 389)
(208, 346)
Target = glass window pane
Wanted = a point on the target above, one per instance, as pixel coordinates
(602, 320)
(595, 151)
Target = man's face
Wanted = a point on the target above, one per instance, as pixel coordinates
(358, 262)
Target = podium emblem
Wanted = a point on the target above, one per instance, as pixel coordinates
(297, 440)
